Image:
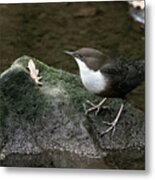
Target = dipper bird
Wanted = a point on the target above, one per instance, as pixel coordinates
(106, 77)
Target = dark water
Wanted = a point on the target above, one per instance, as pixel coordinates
(45, 30)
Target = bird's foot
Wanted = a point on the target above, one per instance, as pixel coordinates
(112, 124)
(95, 107)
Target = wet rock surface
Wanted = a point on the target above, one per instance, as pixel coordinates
(45, 126)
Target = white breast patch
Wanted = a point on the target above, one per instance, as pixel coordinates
(94, 81)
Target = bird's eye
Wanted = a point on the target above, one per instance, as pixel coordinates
(80, 56)
(77, 55)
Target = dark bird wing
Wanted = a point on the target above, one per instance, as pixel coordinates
(124, 77)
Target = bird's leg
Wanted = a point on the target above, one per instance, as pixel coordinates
(94, 107)
(113, 124)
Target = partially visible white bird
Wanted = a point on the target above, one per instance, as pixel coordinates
(137, 10)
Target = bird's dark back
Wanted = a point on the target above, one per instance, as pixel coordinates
(124, 77)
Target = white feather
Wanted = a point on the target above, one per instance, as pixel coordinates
(94, 81)
(34, 72)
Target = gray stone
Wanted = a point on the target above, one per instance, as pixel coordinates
(45, 126)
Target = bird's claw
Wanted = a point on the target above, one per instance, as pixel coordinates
(94, 107)
(112, 124)
(111, 128)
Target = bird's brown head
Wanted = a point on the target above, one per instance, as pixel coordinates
(93, 58)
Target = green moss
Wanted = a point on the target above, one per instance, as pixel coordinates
(54, 113)
(55, 77)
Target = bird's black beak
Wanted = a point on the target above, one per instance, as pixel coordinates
(71, 53)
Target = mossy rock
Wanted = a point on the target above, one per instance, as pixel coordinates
(46, 126)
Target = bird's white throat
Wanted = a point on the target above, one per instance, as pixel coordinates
(94, 81)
